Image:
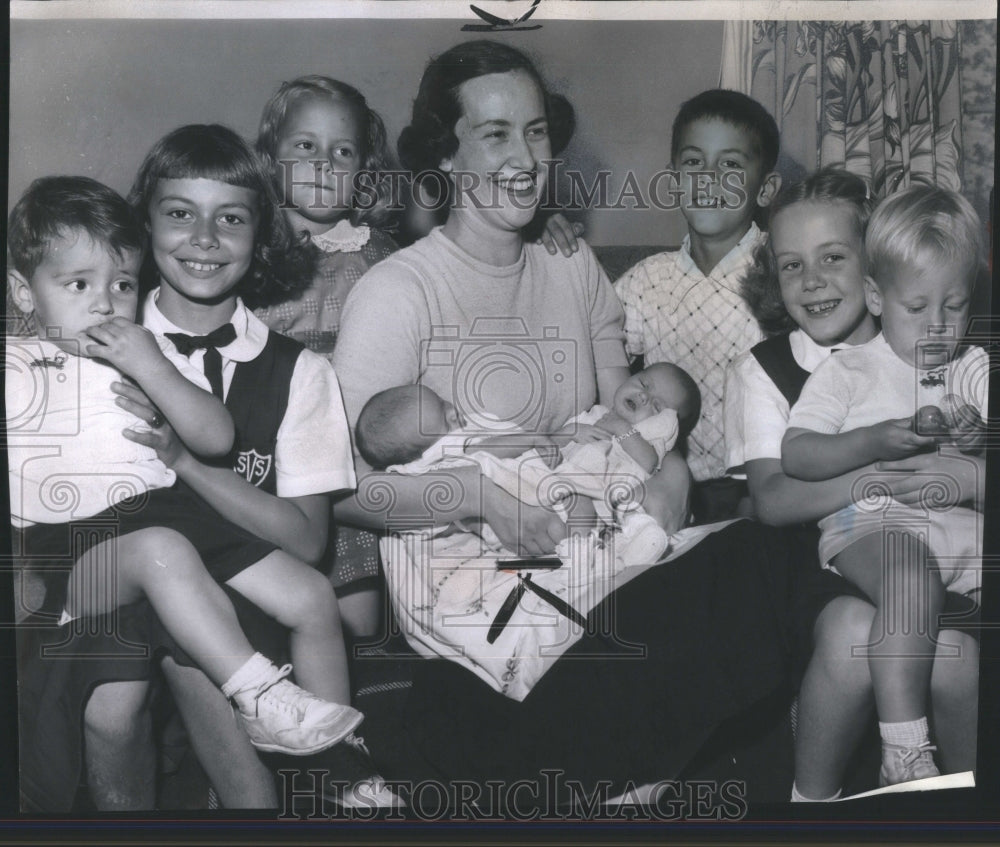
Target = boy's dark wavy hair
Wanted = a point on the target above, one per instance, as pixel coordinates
(376, 157)
(54, 205)
(734, 108)
(430, 138)
(760, 287)
(283, 263)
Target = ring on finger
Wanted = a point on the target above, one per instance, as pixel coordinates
(156, 421)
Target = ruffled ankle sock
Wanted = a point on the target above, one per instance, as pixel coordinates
(242, 684)
(905, 733)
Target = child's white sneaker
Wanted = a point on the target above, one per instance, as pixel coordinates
(905, 764)
(365, 787)
(281, 717)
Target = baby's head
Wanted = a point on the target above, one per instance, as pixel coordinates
(658, 387)
(75, 249)
(397, 425)
(923, 251)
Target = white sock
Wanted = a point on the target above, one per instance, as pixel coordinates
(246, 676)
(905, 733)
(801, 798)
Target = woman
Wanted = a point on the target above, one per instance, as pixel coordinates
(500, 328)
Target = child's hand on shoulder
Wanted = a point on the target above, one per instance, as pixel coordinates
(895, 439)
(128, 346)
(560, 235)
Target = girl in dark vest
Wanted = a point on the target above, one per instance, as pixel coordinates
(807, 288)
(217, 237)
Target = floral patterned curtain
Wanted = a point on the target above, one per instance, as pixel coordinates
(881, 98)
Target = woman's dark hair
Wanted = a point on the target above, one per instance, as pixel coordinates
(760, 287)
(376, 158)
(430, 137)
(283, 264)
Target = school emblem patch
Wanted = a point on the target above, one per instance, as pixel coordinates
(252, 466)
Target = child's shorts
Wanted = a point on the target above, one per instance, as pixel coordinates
(52, 549)
(60, 665)
(961, 611)
(953, 536)
(814, 588)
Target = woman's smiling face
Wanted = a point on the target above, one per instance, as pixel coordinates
(500, 169)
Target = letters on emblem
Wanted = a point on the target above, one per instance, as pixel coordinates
(252, 466)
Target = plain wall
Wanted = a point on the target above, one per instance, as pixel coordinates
(91, 97)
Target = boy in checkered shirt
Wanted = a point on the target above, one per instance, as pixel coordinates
(685, 306)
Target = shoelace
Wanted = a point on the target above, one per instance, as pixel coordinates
(911, 757)
(357, 742)
(911, 754)
(265, 687)
(376, 782)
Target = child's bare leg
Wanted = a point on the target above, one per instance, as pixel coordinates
(235, 771)
(835, 700)
(955, 700)
(361, 611)
(908, 595)
(302, 599)
(895, 569)
(119, 755)
(164, 567)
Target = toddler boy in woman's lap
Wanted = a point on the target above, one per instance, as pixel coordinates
(685, 306)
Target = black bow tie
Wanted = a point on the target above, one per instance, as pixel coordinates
(187, 344)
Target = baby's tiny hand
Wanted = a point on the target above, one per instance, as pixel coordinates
(126, 345)
(614, 424)
(580, 433)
